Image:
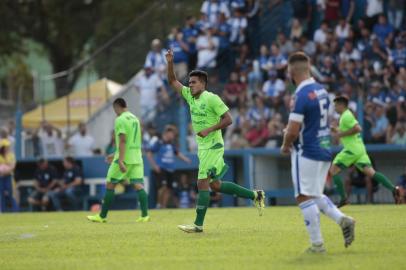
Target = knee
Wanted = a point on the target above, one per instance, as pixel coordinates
(334, 170)
(215, 186)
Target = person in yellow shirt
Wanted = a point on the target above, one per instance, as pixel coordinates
(7, 165)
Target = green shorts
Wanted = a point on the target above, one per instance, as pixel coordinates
(346, 158)
(211, 164)
(134, 173)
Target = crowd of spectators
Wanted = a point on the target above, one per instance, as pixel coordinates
(358, 48)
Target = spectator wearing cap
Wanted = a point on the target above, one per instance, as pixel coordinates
(45, 182)
(383, 29)
(190, 33)
(180, 53)
(163, 164)
(152, 93)
(381, 123)
(156, 59)
(7, 166)
(70, 188)
(81, 144)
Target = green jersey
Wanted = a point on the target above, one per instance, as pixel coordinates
(353, 142)
(205, 111)
(129, 125)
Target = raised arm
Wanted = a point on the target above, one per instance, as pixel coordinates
(171, 73)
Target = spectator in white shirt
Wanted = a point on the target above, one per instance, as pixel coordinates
(156, 58)
(51, 140)
(320, 36)
(149, 84)
(342, 30)
(349, 52)
(81, 144)
(238, 25)
(207, 46)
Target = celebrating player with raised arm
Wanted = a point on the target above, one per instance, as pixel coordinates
(307, 138)
(354, 152)
(209, 115)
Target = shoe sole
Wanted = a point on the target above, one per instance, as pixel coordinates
(348, 229)
(187, 231)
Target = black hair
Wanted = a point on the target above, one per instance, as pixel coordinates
(341, 100)
(120, 102)
(298, 57)
(202, 75)
(41, 161)
(70, 159)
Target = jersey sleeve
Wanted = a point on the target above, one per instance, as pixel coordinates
(298, 111)
(219, 107)
(186, 94)
(348, 121)
(119, 126)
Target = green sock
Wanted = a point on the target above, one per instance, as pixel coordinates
(107, 201)
(203, 200)
(143, 199)
(234, 189)
(380, 178)
(339, 186)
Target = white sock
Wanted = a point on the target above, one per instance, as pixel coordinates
(311, 215)
(328, 208)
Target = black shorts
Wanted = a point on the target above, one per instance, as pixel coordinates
(164, 178)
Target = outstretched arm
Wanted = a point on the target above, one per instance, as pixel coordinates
(171, 73)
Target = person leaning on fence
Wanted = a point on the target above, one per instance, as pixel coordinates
(7, 165)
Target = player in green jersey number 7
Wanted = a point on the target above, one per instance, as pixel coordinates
(354, 152)
(209, 115)
(126, 163)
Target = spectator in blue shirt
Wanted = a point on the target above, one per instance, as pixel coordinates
(180, 53)
(398, 55)
(376, 95)
(190, 33)
(380, 124)
(45, 183)
(70, 188)
(163, 165)
(383, 29)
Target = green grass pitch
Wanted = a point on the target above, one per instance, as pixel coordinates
(234, 238)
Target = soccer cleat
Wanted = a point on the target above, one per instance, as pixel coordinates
(259, 201)
(347, 225)
(143, 219)
(97, 218)
(398, 195)
(343, 202)
(191, 228)
(316, 249)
